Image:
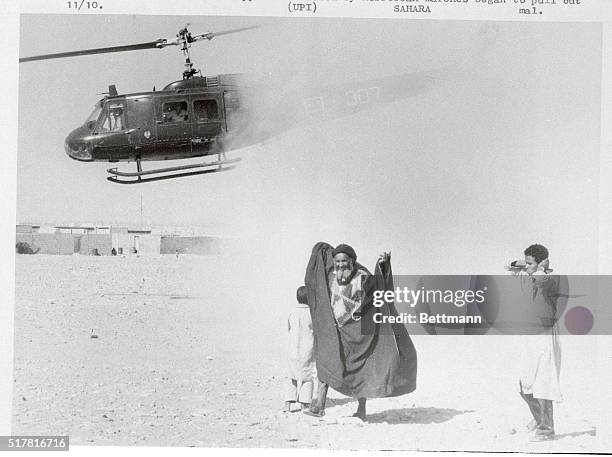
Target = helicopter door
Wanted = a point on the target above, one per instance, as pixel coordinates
(207, 122)
(174, 130)
(143, 131)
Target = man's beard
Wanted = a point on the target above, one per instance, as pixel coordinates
(343, 275)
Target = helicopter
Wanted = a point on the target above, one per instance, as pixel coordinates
(207, 116)
(188, 118)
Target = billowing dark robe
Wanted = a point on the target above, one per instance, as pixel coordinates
(360, 359)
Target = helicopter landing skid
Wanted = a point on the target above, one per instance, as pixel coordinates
(170, 172)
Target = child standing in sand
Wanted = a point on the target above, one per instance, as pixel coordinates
(301, 354)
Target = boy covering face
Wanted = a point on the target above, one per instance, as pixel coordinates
(541, 357)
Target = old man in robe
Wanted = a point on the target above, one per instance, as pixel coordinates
(355, 355)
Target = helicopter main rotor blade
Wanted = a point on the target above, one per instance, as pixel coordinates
(131, 47)
(157, 44)
(211, 35)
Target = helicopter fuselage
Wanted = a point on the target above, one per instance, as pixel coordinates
(188, 118)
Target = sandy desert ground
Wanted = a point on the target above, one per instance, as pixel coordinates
(189, 351)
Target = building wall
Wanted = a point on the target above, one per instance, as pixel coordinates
(70, 243)
(147, 244)
(91, 241)
(49, 243)
(122, 242)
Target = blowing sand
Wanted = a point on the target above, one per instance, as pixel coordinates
(161, 351)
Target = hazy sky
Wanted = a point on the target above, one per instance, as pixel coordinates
(500, 152)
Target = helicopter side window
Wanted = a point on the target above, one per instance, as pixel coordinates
(175, 112)
(113, 118)
(206, 110)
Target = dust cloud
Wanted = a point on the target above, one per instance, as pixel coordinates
(429, 140)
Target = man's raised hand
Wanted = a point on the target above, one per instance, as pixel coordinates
(384, 257)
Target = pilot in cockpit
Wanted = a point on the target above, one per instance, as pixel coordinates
(116, 119)
(176, 113)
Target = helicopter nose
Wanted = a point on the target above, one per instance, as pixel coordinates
(77, 146)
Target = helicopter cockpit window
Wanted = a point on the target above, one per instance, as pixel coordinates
(175, 112)
(206, 110)
(113, 118)
(93, 117)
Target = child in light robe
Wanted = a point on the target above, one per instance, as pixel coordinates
(301, 354)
